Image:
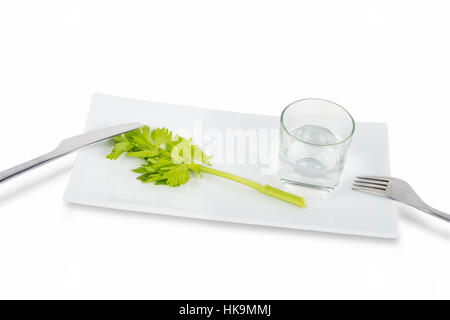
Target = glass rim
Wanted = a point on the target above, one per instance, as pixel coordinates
(283, 127)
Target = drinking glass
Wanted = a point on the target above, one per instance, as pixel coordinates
(315, 135)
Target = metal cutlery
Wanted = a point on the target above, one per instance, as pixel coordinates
(398, 190)
(67, 146)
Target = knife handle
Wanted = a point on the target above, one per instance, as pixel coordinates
(24, 167)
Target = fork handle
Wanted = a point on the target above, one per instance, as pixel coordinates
(22, 168)
(435, 212)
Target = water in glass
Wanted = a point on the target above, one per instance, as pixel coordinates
(309, 156)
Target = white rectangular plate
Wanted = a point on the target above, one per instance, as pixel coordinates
(98, 181)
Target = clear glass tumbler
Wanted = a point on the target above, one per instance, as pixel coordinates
(314, 137)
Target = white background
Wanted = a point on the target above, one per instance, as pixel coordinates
(386, 61)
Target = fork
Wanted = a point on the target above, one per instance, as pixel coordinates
(398, 190)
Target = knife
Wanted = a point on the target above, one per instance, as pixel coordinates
(68, 146)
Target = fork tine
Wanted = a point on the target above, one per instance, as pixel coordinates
(375, 178)
(371, 190)
(366, 185)
(371, 183)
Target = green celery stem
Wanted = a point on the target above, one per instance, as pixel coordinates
(266, 189)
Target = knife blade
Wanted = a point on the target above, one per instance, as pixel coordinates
(74, 143)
